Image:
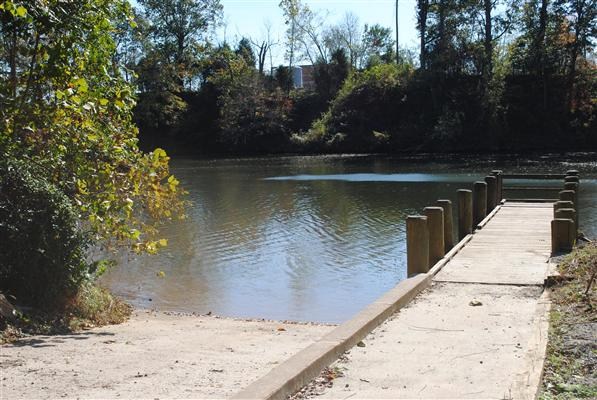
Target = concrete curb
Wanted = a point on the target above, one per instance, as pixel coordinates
(488, 218)
(301, 368)
(527, 385)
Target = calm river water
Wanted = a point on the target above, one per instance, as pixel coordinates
(308, 238)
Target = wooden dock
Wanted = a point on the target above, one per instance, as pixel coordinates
(512, 249)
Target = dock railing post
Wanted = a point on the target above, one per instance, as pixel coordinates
(572, 172)
(491, 192)
(568, 213)
(465, 213)
(562, 235)
(572, 182)
(568, 195)
(417, 245)
(479, 202)
(499, 193)
(435, 222)
(448, 224)
(561, 204)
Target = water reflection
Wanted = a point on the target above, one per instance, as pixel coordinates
(305, 238)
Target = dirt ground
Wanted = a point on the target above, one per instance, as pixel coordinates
(154, 355)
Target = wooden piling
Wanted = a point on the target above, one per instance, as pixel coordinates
(417, 245)
(479, 202)
(435, 222)
(562, 235)
(499, 193)
(571, 186)
(572, 172)
(574, 187)
(465, 213)
(573, 179)
(568, 195)
(491, 193)
(561, 204)
(448, 224)
(568, 213)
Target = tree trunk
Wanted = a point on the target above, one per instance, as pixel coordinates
(262, 56)
(442, 30)
(579, 33)
(488, 44)
(540, 49)
(422, 22)
(13, 62)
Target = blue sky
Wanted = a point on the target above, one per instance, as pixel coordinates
(247, 17)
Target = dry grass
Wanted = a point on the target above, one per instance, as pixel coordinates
(92, 306)
(572, 349)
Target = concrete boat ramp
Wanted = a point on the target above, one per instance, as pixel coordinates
(478, 330)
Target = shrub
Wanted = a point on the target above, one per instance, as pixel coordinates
(42, 257)
(367, 104)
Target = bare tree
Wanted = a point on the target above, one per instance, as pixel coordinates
(263, 47)
(347, 35)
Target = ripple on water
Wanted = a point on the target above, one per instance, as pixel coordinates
(304, 238)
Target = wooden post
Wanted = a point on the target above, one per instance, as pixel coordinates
(479, 202)
(448, 224)
(572, 172)
(465, 213)
(574, 187)
(562, 235)
(561, 204)
(571, 186)
(491, 192)
(568, 213)
(435, 222)
(570, 178)
(499, 193)
(417, 245)
(568, 195)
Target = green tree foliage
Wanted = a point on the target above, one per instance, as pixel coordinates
(329, 77)
(378, 45)
(292, 10)
(245, 50)
(42, 260)
(178, 28)
(66, 108)
(251, 115)
(344, 127)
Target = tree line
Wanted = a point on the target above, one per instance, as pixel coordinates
(491, 75)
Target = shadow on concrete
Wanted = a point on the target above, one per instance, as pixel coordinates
(50, 341)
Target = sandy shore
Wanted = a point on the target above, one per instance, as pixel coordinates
(153, 355)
